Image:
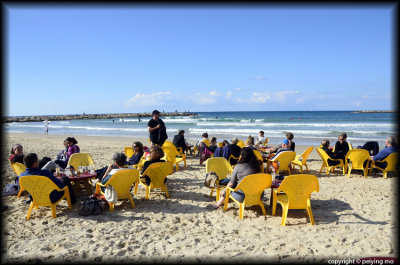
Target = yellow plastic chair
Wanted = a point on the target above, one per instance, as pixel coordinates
(357, 158)
(129, 151)
(260, 159)
(220, 144)
(222, 168)
(170, 144)
(140, 164)
(391, 161)
(18, 168)
(196, 148)
(80, 159)
(157, 172)
(265, 142)
(295, 193)
(40, 187)
(324, 156)
(122, 182)
(241, 144)
(172, 155)
(301, 160)
(284, 159)
(252, 186)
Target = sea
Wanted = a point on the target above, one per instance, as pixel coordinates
(308, 127)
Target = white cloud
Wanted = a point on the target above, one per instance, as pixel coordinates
(357, 103)
(282, 95)
(158, 98)
(213, 93)
(260, 77)
(259, 97)
(238, 89)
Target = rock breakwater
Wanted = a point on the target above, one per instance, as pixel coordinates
(90, 116)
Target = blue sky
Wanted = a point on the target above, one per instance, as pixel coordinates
(117, 59)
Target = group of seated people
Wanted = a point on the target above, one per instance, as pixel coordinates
(46, 167)
(244, 159)
(342, 147)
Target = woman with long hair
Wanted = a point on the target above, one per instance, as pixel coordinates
(247, 165)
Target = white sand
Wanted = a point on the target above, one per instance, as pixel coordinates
(354, 218)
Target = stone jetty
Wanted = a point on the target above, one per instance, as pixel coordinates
(373, 111)
(90, 116)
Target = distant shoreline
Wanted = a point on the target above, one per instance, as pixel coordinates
(373, 111)
(90, 116)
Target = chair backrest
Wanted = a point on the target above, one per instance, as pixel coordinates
(219, 165)
(170, 153)
(265, 141)
(305, 154)
(157, 172)
(357, 157)
(391, 161)
(324, 156)
(350, 146)
(80, 159)
(284, 159)
(39, 187)
(241, 144)
(298, 188)
(122, 181)
(259, 158)
(206, 141)
(253, 185)
(18, 167)
(220, 144)
(168, 143)
(129, 151)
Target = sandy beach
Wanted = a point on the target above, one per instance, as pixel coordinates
(354, 218)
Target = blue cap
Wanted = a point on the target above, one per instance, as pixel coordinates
(285, 141)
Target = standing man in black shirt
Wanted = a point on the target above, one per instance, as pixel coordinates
(157, 129)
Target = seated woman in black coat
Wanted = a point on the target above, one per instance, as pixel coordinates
(325, 146)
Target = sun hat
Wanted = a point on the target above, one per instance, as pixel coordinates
(156, 112)
(285, 141)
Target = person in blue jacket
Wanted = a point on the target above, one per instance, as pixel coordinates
(31, 162)
(390, 148)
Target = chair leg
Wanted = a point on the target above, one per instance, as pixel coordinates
(301, 169)
(348, 172)
(263, 208)
(20, 191)
(241, 210)
(136, 186)
(176, 166)
(147, 192)
(30, 210)
(284, 214)
(131, 200)
(211, 193)
(111, 206)
(53, 211)
(227, 194)
(166, 191)
(274, 202)
(310, 212)
(218, 194)
(384, 174)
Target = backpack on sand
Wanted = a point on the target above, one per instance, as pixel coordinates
(211, 179)
(92, 206)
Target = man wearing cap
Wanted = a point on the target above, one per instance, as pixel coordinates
(284, 147)
(157, 129)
